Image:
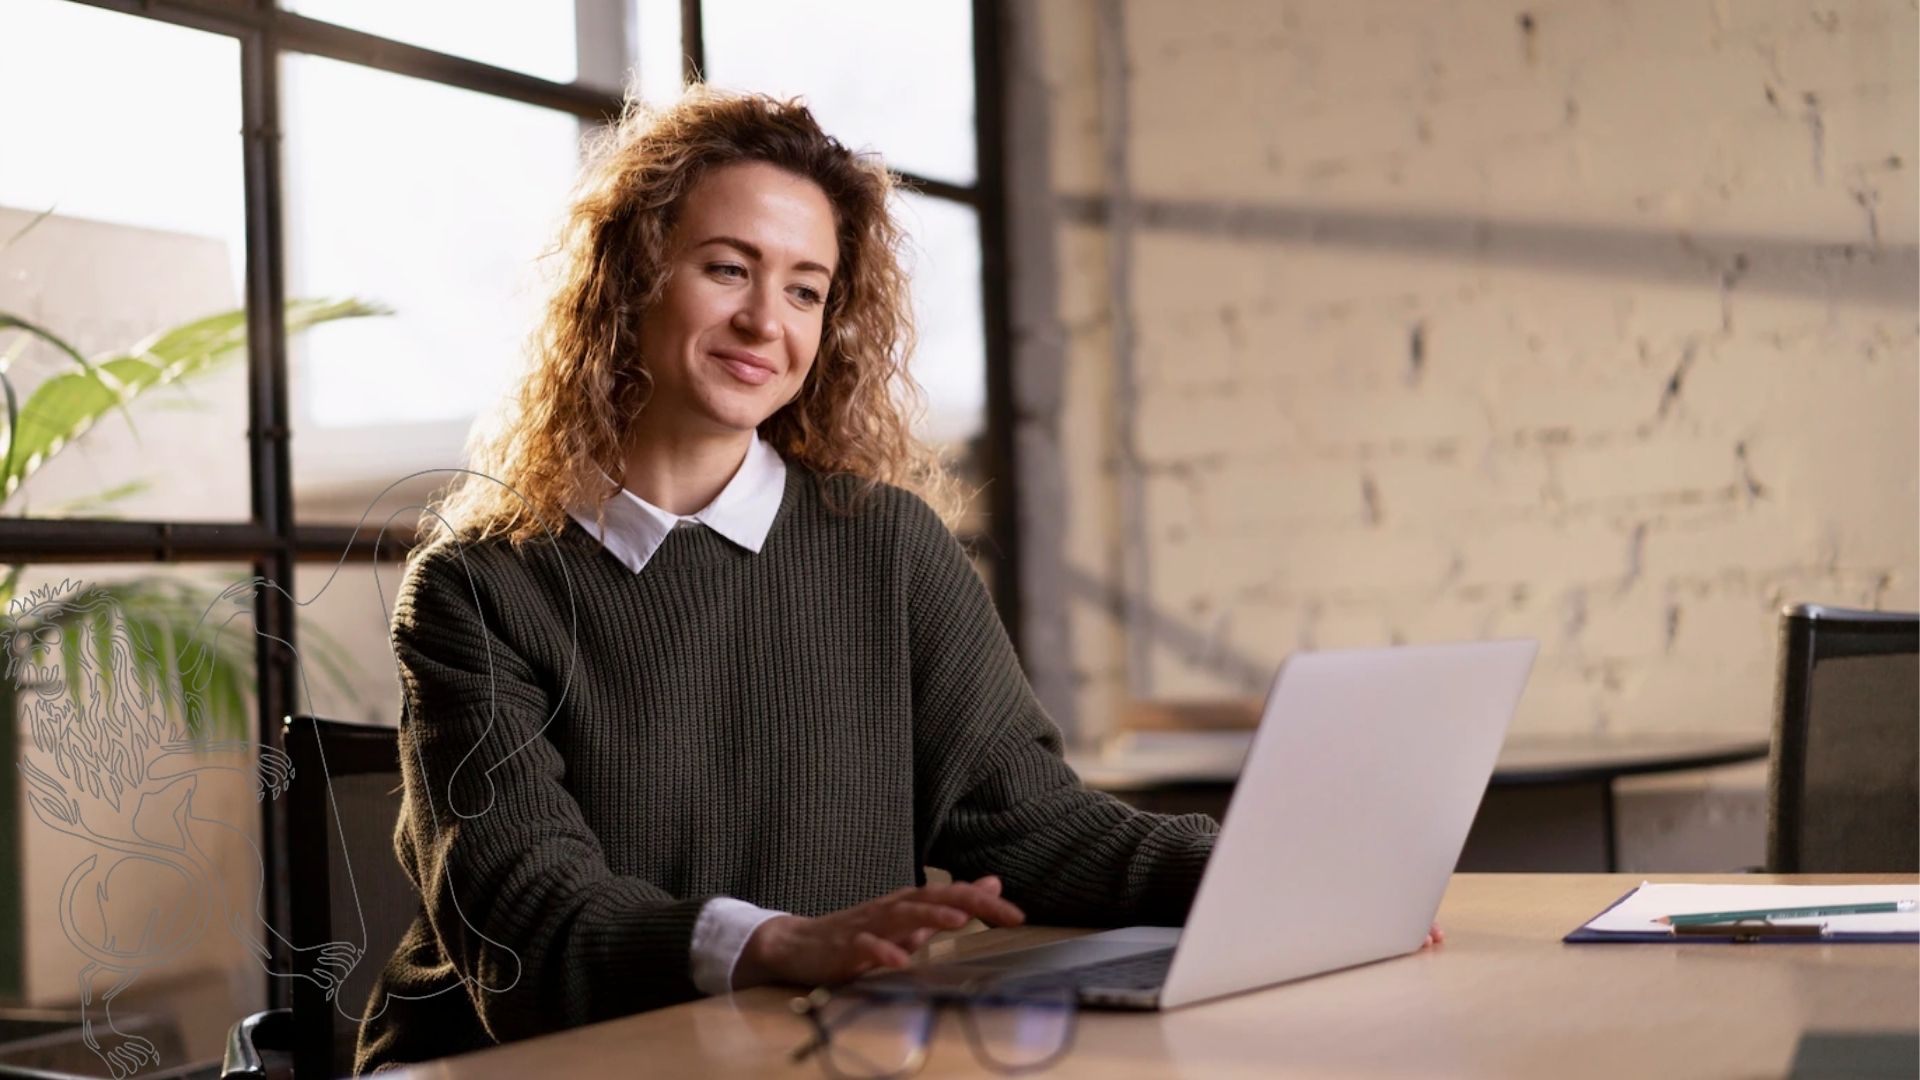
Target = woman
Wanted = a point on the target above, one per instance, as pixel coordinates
(695, 692)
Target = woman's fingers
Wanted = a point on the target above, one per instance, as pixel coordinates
(885, 932)
(878, 950)
(981, 902)
(903, 917)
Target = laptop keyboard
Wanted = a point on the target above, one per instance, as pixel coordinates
(1144, 971)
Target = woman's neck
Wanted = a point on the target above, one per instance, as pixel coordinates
(682, 476)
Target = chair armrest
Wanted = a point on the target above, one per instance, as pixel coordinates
(249, 1041)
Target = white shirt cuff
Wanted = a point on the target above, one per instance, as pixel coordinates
(719, 937)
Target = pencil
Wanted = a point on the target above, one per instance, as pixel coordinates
(1702, 917)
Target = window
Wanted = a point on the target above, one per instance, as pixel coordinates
(400, 154)
(143, 228)
(436, 202)
(949, 361)
(535, 37)
(856, 62)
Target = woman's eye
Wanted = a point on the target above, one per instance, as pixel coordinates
(727, 270)
(808, 294)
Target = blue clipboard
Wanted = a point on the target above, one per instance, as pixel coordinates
(1585, 936)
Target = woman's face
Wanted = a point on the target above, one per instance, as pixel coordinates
(733, 335)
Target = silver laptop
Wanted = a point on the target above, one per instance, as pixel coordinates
(1350, 813)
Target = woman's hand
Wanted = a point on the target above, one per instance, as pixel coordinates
(1434, 937)
(879, 933)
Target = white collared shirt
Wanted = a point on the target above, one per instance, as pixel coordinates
(743, 512)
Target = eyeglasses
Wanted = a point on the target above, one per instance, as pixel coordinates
(863, 1034)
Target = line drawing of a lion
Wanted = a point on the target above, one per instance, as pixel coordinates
(127, 762)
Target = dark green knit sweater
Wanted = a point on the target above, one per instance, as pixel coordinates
(590, 755)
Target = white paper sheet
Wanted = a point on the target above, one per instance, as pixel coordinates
(1636, 913)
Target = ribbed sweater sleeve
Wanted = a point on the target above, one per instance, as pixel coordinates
(514, 883)
(1002, 799)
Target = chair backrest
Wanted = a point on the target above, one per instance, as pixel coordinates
(1844, 793)
(345, 800)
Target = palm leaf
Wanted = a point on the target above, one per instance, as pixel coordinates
(171, 611)
(21, 232)
(13, 418)
(60, 344)
(198, 654)
(234, 693)
(166, 647)
(13, 352)
(65, 407)
(72, 660)
(60, 410)
(191, 348)
(102, 649)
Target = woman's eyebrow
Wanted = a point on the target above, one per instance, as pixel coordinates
(752, 251)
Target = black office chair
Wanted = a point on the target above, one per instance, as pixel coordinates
(357, 893)
(1844, 790)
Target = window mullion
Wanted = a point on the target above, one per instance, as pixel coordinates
(989, 198)
(267, 441)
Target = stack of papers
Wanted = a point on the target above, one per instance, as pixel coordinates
(1639, 912)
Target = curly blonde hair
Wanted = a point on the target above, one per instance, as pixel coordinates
(561, 440)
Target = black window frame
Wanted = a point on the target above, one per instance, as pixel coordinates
(273, 541)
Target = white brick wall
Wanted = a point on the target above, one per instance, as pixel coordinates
(1441, 328)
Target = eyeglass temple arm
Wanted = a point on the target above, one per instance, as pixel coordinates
(810, 1007)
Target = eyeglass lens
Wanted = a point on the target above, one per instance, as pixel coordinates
(869, 1038)
(1020, 1036)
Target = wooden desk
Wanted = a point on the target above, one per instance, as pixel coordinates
(1195, 771)
(1502, 998)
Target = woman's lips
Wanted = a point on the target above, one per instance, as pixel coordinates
(751, 374)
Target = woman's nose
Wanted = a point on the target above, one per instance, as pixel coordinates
(755, 318)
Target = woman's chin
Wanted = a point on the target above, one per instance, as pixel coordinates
(744, 408)
(737, 417)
